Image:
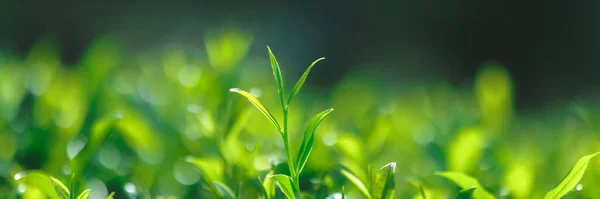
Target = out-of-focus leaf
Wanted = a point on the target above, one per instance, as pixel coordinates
(227, 47)
(258, 105)
(140, 136)
(110, 196)
(43, 60)
(356, 182)
(99, 133)
(84, 194)
(12, 90)
(466, 149)
(285, 184)
(466, 193)
(571, 180)
(38, 180)
(519, 179)
(465, 182)
(352, 147)
(380, 134)
(277, 74)
(309, 139)
(493, 87)
(225, 191)
(301, 81)
(422, 194)
(101, 57)
(42, 182)
(212, 169)
(384, 185)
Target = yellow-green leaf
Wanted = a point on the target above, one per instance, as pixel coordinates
(277, 74)
(571, 180)
(84, 194)
(110, 196)
(356, 182)
(268, 186)
(309, 139)
(39, 180)
(285, 184)
(384, 185)
(60, 188)
(100, 131)
(301, 81)
(212, 169)
(258, 105)
(225, 191)
(465, 182)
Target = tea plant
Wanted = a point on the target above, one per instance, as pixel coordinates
(289, 185)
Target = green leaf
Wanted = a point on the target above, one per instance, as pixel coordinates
(285, 184)
(571, 180)
(100, 131)
(301, 81)
(356, 182)
(72, 196)
(343, 192)
(258, 105)
(268, 186)
(466, 193)
(40, 181)
(384, 185)
(211, 169)
(84, 194)
(225, 191)
(465, 182)
(110, 196)
(309, 139)
(60, 188)
(277, 74)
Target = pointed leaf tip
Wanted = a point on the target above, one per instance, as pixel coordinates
(301, 81)
(309, 139)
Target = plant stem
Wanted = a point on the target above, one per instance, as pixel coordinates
(286, 143)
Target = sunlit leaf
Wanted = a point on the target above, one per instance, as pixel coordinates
(277, 74)
(465, 182)
(227, 47)
(212, 169)
(384, 185)
(60, 188)
(268, 186)
(100, 131)
(356, 182)
(258, 105)
(519, 179)
(84, 194)
(466, 193)
(285, 184)
(301, 81)
(110, 196)
(102, 56)
(309, 139)
(465, 150)
(225, 191)
(40, 181)
(571, 180)
(494, 91)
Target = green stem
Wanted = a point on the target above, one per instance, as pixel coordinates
(286, 143)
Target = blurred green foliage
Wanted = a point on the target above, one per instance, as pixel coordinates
(162, 124)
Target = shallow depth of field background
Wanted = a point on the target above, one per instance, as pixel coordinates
(505, 91)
